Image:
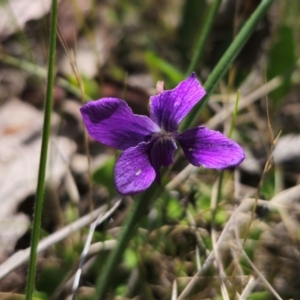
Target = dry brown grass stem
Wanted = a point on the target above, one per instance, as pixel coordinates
(98, 221)
(72, 59)
(244, 206)
(245, 101)
(259, 274)
(267, 167)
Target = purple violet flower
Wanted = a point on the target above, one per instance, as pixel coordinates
(149, 143)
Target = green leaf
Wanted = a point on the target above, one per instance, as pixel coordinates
(50, 277)
(90, 86)
(159, 66)
(174, 209)
(130, 258)
(260, 296)
(221, 217)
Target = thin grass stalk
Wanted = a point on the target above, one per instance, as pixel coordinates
(35, 232)
(226, 60)
(136, 213)
(213, 10)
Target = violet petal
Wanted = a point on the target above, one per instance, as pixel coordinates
(133, 171)
(111, 122)
(210, 148)
(169, 107)
(162, 154)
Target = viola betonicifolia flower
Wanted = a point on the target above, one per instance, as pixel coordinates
(149, 143)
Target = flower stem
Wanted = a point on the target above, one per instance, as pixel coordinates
(204, 35)
(128, 228)
(226, 60)
(43, 158)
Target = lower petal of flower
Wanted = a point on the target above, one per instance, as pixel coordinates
(162, 154)
(210, 148)
(133, 171)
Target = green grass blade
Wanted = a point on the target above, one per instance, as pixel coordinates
(204, 35)
(226, 60)
(43, 159)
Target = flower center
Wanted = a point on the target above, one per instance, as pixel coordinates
(162, 134)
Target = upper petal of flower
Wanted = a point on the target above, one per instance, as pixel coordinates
(169, 107)
(210, 148)
(111, 122)
(161, 154)
(133, 171)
